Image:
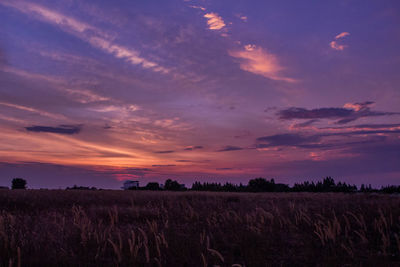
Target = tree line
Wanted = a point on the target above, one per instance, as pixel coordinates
(260, 184)
(328, 184)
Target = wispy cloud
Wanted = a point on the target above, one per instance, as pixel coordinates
(241, 17)
(44, 14)
(33, 110)
(341, 35)
(77, 94)
(335, 43)
(130, 55)
(198, 7)
(85, 96)
(258, 61)
(214, 21)
(86, 32)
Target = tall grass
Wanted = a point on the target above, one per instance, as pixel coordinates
(136, 228)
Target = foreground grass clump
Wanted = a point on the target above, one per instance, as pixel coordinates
(137, 228)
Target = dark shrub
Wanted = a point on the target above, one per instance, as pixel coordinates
(18, 183)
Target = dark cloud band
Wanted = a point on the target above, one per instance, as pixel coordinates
(61, 129)
(230, 148)
(343, 115)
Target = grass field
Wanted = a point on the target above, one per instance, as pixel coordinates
(139, 228)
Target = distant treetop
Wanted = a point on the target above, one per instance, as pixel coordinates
(18, 183)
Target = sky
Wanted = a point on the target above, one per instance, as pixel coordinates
(96, 92)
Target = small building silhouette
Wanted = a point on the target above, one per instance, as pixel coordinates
(129, 184)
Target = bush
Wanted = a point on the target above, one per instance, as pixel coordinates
(18, 183)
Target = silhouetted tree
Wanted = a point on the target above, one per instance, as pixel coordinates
(304, 187)
(173, 185)
(75, 187)
(152, 186)
(18, 183)
(261, 185)
(390, 189)
(218, 187)
(367, 188)
(327, 185)
(197, 186)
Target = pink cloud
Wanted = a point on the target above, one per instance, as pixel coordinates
(214, 21)
(258, 61)
(341, 35)
(335, 43)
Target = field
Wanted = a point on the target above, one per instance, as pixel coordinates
(139, 228)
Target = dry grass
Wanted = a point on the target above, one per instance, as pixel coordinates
(136, 228)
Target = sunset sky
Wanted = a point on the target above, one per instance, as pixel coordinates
(96, 92)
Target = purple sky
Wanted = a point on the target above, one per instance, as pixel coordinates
(95, 92)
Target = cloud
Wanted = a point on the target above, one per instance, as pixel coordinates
(258, 61)
(341, 35)
(314, 141)
(80, 95)
(61, 129)
(86, 32)
(130, 55)
(214, 21)
(319, 113)
(350, 112)
(168, 165)
(198, 7)
(370, 160)
(363, 132)
(335, 43)
(305, 124)
(243, 18)
(50, 16)
(286, 140)
(164, 151)
(359, 106)
(230, 148)
(336, 46)
(223, 169)
(367, 126)
(190, 148)
(33, 110)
